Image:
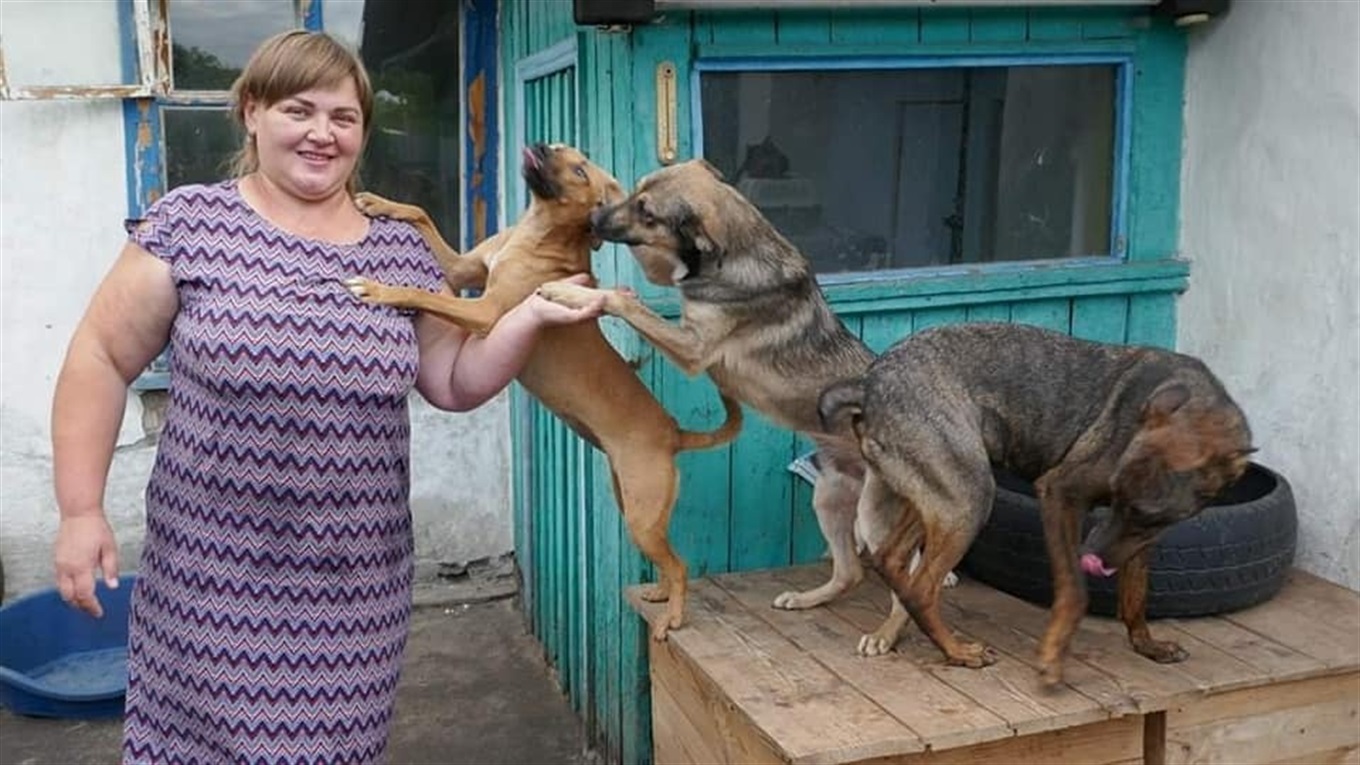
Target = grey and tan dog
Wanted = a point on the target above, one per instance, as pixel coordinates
(573, 370)
(1150, 433)
(754, 318)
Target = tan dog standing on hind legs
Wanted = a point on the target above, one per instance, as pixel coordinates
(753, 318)
(1151, 433)
(573, 370)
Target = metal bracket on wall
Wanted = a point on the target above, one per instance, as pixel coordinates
(667, 134)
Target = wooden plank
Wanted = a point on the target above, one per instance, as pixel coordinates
(1047, 24)
(1209, 667)
(1149, 686)
(790, 697)
(883, 330)
(865, 26)
(992, 26)
(1100, 318)
(1152, 320)
(1112, 742)
(934, 317)
(762, 499)
(942, 716)
(808, 542)
(1277, 722)
(1325, 601)
(703, 536)
(1009, 689)
(802, 27)
(740, 26)
(692, 722)
(1345, 755)
(1289, 619)
(944, 25)
(1274, 660)
(990, 312)
(1054, 314)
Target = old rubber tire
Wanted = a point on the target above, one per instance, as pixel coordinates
(1232, 555)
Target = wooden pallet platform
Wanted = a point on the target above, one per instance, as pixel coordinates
(744, 682)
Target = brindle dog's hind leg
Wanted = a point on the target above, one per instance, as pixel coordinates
(834, 498)
(953, 497)
(880, 517)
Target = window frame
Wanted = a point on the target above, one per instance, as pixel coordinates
(144, 136)
(1123, 63)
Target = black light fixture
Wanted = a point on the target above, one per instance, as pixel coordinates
(613, 12)
(1187, 12)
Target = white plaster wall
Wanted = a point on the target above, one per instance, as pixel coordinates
(62, 203)
(1270, 219)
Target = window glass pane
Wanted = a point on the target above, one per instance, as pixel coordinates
(867, 170)
(210, 40)
(64, 43)
(199, 142)
(411, 52)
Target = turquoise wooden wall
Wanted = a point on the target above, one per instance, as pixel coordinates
(739, 508)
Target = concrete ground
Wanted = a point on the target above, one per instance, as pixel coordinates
(474, 689)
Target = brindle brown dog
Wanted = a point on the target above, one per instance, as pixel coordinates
(572, 370)
(1150, 433)
(753, 318)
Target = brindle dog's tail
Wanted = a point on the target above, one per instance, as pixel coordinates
(690, 440)
(840, 406)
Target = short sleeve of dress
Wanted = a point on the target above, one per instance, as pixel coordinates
(158, 230)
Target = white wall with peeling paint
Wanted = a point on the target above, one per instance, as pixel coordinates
(1270, 219)
(63, 198)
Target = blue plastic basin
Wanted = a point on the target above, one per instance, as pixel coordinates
(56, 661)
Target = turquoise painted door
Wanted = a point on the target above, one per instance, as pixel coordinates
(739, 507)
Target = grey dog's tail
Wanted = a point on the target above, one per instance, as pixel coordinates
(840, 405)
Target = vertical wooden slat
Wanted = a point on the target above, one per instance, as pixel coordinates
(1152, 320)
(742, 27)
(762, 495)
(1101, 318)
(934, 317)
(1055, 314)
(1154, 188)
(802, 27)
(859, 27)
(1051, 24)
(944, 25)
(879, 331)
(990, 312)
(991, 26)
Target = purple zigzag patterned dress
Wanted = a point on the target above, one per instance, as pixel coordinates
(271, 610)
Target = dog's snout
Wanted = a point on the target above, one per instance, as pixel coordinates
(597, 216)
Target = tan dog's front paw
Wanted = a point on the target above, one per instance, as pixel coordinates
(374, 206)
(571, 295)
(367, 290)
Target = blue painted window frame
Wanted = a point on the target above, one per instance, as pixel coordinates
(144, 144)
(1123, 103)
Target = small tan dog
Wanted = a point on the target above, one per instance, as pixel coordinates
(573, 370)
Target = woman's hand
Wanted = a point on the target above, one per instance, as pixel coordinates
(84, 543)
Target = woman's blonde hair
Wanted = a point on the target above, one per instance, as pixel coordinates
(285, 65)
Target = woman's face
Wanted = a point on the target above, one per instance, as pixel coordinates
(308, 143)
